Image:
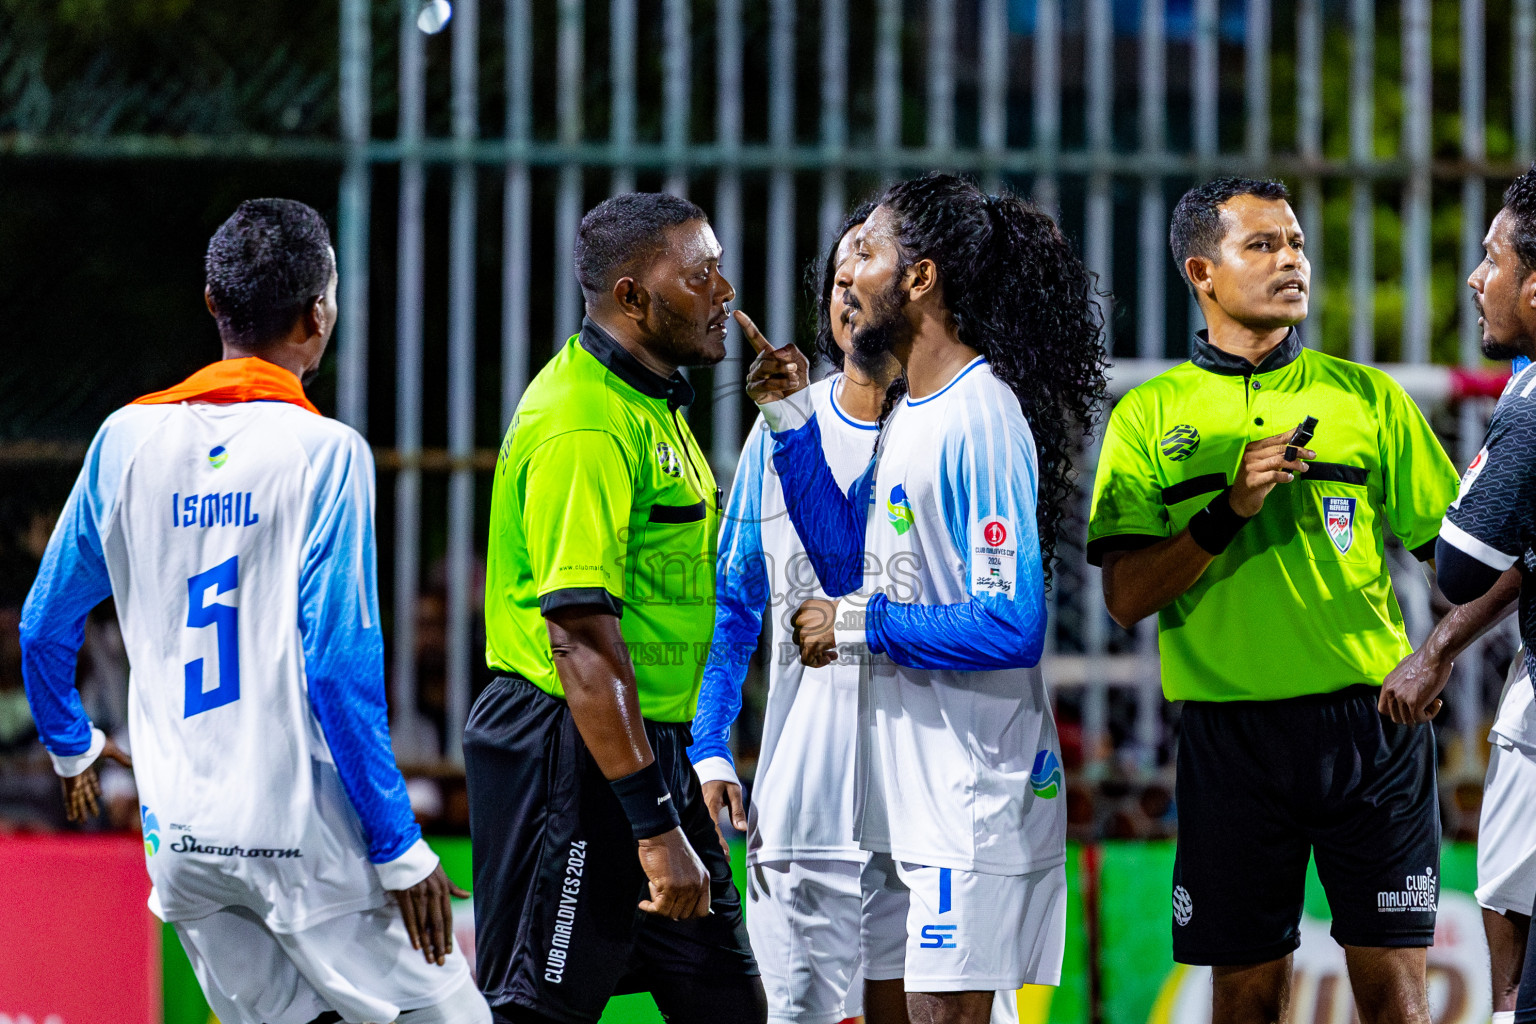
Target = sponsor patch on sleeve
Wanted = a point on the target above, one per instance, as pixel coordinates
(994, 565)
(1470, 476)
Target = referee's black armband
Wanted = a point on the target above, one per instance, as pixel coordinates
(647, 802)
(1214, 526)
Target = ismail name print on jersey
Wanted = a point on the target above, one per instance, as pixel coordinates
(1339, 519)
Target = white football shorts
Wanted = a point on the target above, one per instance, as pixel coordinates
(803, 920)
(949, 930)
(361, 965)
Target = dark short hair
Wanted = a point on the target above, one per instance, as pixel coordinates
(619, 234)
(1520, 204)
(1197, 229)
(266, 264)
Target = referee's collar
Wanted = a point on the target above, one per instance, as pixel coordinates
(677, 391)
(1208, 357)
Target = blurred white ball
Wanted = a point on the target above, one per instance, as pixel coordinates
(434, 16)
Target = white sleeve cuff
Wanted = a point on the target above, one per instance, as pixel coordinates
(68, 766)
(790, 413)
(848, 625)
(1489, 555)
(416, 863)
(716, 769)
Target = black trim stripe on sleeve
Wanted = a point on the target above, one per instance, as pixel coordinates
(571, 597)
(678, 513)
(1336, 473)
(1097, 549)
(1193, 488)
(1424, 552)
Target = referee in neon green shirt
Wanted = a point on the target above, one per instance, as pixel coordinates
(1277, 620)
(597, 866)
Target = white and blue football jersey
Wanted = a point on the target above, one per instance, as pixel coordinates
(959, 765)
(802, 794)
(237, 542)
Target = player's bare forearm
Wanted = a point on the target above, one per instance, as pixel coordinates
(1145, 581)
(599, 681)
(1410, 695)
(1464, 623)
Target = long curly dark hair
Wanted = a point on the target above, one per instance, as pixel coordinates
(1020, 296)
(819, 278)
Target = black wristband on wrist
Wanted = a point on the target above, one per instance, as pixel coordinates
(1214, 526)
(647, 802)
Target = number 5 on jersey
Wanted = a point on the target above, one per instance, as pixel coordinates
(225, 620)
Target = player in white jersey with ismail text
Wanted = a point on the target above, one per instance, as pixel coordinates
(939, 555)
(233, 526)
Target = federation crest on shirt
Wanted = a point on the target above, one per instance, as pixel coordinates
(1339, 519)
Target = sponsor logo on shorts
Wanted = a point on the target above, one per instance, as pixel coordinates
(151, 830)
(565, 916)
(1183, 906)
(1419, 892)
(1045, 777)
(1181, 442)
(1339, 518)
(938, 936)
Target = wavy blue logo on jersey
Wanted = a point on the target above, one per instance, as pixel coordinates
(1045, 777)
(1339, 519)
(217, 456)
(899, 510)
(151, 826)
(1181, 442)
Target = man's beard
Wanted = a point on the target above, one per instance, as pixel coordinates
(677, 340)
(880, 328)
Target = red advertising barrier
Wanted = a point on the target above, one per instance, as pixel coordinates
(82, 946)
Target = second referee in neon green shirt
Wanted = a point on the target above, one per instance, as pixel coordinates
(1277, 620)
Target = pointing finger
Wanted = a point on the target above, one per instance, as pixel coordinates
(754, 336)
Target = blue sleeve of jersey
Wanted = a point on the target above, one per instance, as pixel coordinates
(344, 650)
(70, 582)
(829, 522)
(987, 474)
(741, 593)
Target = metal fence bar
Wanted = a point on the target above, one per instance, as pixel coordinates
(409, 290)
(1152, 225)
(1047, 93)
(725, 445)
(781, 180)
(941, 76)
(622, 30)
(1523, 59)
(516, 229)
(888, 84)
(461, 380)
(1206, 72)
(679, 85)
(1416, 148)
(353, 204)
(1362, 214)
(834, 116)
(568, 197)
(1099, 212)
(1473, 146)
(1309, 142)
(1256, 81)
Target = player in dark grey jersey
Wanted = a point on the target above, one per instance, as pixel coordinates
(1487, 541)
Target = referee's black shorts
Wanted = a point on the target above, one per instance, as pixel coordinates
(557, 878)
(1261, 784)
